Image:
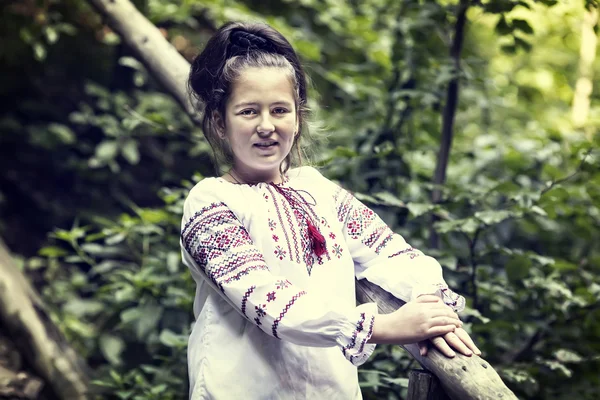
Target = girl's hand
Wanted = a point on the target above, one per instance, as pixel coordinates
(459, 340)
(420, 319)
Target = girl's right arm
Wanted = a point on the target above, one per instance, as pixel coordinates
(217, 247)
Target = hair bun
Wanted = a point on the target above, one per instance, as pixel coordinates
(242, 42)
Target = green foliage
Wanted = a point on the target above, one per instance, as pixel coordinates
(123, 298)
(97, 140)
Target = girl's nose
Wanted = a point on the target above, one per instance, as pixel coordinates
(265, 125)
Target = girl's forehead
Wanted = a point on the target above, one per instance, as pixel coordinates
(263, 82)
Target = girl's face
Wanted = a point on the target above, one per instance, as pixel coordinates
(260, 122)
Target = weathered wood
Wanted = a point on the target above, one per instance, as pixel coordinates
(161, 59)
(423, 385)
(26, 321)
(462, 377)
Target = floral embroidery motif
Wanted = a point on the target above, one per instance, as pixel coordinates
(271, 297)
(332, 235)
(275, 238)
(337, 250)
(283, 284)
(260, 310)
(280, 252)
(257, 321)
(272, 224)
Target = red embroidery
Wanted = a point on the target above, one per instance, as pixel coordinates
(260, 310)
(270, 297)
(275, 238)
(210, 235)
(283, 226)
(284, 311)
(283, 284)
(337, 250)
(280, 252)
(245, 298)
(359, 328)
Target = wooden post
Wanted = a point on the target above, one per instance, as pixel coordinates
(423, 385)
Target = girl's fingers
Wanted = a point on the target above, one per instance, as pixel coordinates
(456, 343)
(440, 330)
(442, 321)
(443, 347)
(423, 347)
(428, 298)
(466, 339)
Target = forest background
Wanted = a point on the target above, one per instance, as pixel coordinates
(96, 159)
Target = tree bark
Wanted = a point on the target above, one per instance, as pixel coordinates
(24, 317)
(449, 113)
(161, 59)
(462, 377)
(584, 86)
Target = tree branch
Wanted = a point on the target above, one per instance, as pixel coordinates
(449, 112)
(35, 335)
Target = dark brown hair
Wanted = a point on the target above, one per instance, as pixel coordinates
(234, 47)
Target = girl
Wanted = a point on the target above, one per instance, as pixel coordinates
(275, 251)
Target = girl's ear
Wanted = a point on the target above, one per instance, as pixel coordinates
(220, 124)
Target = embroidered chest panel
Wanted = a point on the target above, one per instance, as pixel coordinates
(289, 230)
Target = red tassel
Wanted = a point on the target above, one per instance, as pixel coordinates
(317, 240)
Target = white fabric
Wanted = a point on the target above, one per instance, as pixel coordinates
(273, 319)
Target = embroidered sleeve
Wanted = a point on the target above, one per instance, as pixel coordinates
(218, 248)
(384, 258)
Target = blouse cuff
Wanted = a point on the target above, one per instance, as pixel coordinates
(355, 335)
(441, 290)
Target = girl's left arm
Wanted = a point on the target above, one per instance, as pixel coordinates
(384, 258)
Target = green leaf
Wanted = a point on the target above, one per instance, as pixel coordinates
(466, 225)
(107, 150)
(170, 339)
(52, 251)
(491, 217)
(51, 34)
(83, 307)
(151, 314)
(39, 51)
(130, 152)
(389, 199)
(517, 268)
(111, 347)
(62, 132)
(115, 239)
(173, 261)
(418, 209)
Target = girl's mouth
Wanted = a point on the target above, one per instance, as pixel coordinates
(266, 145)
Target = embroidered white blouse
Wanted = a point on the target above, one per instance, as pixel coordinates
(273, 319)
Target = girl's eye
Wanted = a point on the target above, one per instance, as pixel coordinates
(247, 112)
(280, 110)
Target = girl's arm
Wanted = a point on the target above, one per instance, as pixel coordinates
(385, 258)
(218, 248)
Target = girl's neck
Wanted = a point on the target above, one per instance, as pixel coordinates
(236, 176)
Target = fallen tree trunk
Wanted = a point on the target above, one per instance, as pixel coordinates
(462, 377)
(25, 320)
